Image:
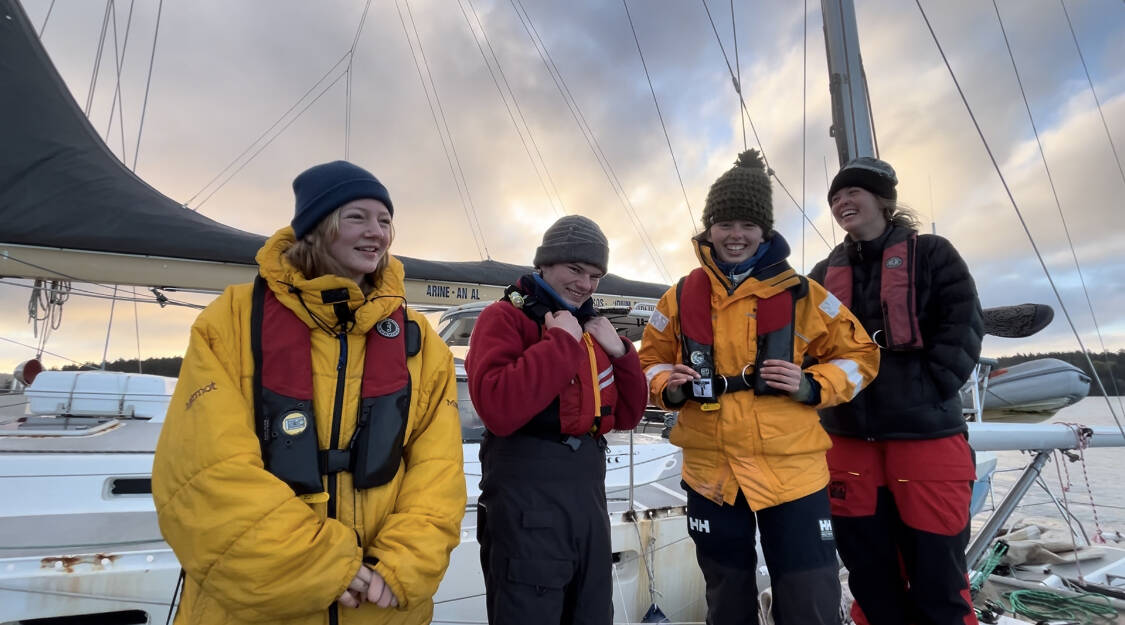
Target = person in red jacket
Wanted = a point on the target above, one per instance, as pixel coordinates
(549, 376)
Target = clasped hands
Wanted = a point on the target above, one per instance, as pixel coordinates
(599, 328)
(780, 374)
(369, 586)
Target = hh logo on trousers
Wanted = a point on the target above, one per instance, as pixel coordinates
(699, 525)
(826, 529)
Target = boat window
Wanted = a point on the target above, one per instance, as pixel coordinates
(455, 330)
(472, 428)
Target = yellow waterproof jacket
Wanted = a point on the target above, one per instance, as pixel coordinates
(253, 551)
(771, 447)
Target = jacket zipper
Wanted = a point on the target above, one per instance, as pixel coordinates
(334, 441)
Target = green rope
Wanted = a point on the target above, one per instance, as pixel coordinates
(999, 548)
(1041, 605)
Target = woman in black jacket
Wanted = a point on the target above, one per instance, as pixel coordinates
(901, 467)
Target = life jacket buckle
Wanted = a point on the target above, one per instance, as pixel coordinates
(334, 460)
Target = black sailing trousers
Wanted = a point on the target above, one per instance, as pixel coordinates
(543, 531)
(800, 553)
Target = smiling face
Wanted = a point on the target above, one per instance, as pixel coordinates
(859, 212)
(575, 282)
(736, 240)
(363, 238)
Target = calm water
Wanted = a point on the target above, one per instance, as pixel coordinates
(1104, 466)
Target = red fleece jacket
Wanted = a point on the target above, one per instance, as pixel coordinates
(514, 373)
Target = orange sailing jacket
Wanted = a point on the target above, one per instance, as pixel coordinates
(771, 447)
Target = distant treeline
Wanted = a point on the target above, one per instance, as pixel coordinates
(1109, 365)
(1105, 363)
(169, 366)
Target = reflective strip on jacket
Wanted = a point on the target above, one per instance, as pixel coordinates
(252, 550)
(771, 447)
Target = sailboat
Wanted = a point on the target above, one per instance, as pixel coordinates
(109, 558)
(76, 448)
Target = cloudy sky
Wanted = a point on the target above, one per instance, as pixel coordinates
(224, 72)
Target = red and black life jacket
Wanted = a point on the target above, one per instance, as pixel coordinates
(775, 332)
(585, 407)
(897, 296)
(283, 395)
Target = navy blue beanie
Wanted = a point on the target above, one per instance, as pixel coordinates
(322, 189)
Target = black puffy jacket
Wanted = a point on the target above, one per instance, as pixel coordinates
(915, 395)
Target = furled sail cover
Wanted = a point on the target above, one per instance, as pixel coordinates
(61, 186)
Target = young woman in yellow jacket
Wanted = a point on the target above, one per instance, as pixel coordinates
(725, 347)
(311, 455)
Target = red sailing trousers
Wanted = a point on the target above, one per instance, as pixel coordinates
(901, 513)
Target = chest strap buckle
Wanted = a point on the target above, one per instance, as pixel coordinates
(334, 460)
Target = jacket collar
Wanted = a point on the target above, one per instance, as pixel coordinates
(318, 296)
(770, 275)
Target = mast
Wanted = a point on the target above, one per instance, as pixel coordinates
(851, 117)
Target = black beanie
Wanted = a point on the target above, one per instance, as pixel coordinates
(865, 172)
(573, 238)
(322, 189)
(743, 192)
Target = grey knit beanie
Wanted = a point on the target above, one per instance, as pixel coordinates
(865, 172)
(573, 238)
(743, 192)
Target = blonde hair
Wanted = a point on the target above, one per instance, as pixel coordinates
(310, 254)
(899, 214)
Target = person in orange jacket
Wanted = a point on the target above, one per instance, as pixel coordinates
(725, 347)
(311, 456)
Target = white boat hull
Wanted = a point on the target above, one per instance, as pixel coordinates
(73, 546)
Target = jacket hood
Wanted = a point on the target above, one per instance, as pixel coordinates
(306, 297)
(770, 275)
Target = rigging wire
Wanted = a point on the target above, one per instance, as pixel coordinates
(41, 352)
(804, 116)
(119, 55)
(451, 156)
(1055, 194)
(271, 140)
(660, 115)
(348, 87)
(97, 60)
(109, 326)
(475, 217)
(738, 69)
(516, 103)
(504, 99)
(265, 133)
(148, 85)
(161, 299)
(1019, 214)
(45, 18)
(137, 328)
(753, 128)
(1094, 92)
(59, 273)
(589, 135)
